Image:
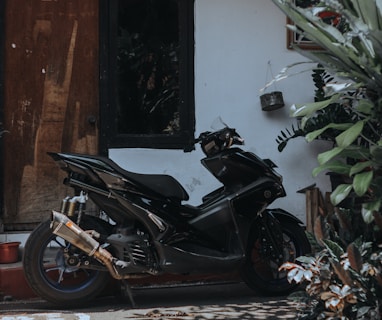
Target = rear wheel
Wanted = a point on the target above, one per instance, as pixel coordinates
(51, 268)
(261, 272)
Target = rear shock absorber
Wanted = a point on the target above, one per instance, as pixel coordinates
(69, 205)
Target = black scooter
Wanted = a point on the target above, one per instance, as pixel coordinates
(144, 228)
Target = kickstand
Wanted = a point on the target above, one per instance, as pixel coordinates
(126, 292)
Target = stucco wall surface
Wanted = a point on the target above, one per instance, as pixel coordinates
(237, 44)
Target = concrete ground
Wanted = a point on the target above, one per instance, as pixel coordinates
(218, 301)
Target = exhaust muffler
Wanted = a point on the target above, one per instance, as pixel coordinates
(62, 226)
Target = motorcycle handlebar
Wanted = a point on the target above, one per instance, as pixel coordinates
(221, 140)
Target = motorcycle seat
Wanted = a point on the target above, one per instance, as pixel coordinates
(163, 184)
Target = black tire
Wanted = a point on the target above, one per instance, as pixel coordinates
(262, 274)
(43, 265)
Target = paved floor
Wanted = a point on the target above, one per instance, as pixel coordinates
(228, 301)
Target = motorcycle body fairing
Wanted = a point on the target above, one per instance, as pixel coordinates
(144, 226)
(186, 238)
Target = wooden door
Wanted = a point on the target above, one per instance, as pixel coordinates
(50, 101)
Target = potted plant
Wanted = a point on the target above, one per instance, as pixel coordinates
(345, 276)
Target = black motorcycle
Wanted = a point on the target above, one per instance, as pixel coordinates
(144, 228)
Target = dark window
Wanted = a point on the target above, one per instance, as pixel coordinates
(147, 74)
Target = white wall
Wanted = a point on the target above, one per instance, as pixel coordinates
(234, 41)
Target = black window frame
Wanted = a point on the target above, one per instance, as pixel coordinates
(109, 137)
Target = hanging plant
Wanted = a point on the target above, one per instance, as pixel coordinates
(323, 120)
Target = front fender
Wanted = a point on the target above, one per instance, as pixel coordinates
(283, 215)
(271, 222)
(251, 229)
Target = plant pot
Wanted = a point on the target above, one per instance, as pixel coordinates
(9, 252)
(272, 101)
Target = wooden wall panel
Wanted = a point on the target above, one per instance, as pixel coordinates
(51, 88)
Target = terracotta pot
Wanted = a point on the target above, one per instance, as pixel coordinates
(9, 252)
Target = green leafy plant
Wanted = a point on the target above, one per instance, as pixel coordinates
(344, 276)
(334, 113)
(353, 55)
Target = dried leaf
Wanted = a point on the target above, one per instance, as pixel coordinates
(288, 266)
(327, 295)
(355, 257)
(341, 273)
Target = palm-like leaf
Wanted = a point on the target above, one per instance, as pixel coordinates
(352, 50)
(352, 53)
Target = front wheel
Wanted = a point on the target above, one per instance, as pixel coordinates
(261, 273)
(48, 273)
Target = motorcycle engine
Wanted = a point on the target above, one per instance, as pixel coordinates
(134, 249)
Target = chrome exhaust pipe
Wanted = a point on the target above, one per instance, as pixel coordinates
(62, 226)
